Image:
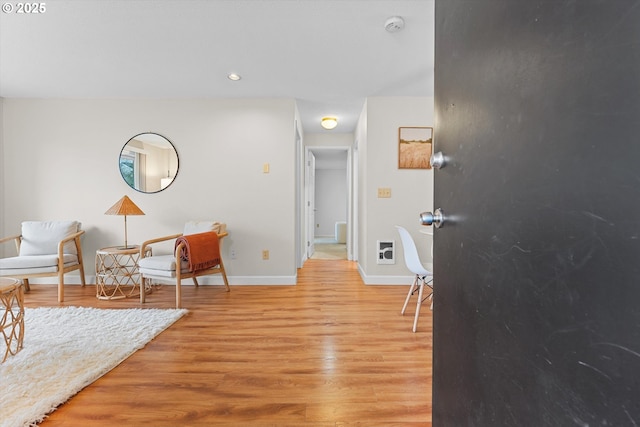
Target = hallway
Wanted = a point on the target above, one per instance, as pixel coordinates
(329, 248)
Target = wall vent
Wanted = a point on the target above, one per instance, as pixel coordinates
(386, 252)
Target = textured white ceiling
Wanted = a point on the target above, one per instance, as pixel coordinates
(328, 54)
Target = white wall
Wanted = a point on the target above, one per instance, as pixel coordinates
(411, 189)
(62, 157)
(328, 139)
(60, 161)
(331, 199)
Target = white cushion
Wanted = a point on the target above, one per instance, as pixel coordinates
(162, 265)
(34, 261)
(158, 262)
(151, 273)
(34, 264)
(17, 272)
(195, 227)
(43, 237)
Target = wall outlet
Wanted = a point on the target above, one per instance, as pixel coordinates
(232, 254)
(265, 254)
(384, 192)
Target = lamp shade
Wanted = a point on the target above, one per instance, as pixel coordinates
(124, 206)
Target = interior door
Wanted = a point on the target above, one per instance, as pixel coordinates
(537, 267)
(311, 202)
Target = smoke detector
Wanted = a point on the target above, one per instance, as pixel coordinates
(393, 24)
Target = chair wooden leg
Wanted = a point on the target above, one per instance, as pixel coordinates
(61, 287)
(178, 281)
(224, 276)
(418, 304)
(195, 282)
(143, 286)
(411, 291)
(431, 296)
(82, 279)
(178, 293)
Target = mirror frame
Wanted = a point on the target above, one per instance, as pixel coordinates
(171, 146)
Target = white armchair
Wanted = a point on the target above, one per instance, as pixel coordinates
(162, 268)
(45, 249)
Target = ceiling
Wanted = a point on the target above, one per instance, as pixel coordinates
(327, 54)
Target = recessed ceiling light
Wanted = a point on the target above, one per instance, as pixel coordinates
(233, 76)
(329, 122)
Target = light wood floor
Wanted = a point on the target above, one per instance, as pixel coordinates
(327, 352)
(332, 251)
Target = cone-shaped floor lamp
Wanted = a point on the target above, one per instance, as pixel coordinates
(124, 207)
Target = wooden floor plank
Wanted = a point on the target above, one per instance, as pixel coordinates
(329, 351)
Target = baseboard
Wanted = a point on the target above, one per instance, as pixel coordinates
(203, 280)
(384, 280)
(250, 280)
(242, 280)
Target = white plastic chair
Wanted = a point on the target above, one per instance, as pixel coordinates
(423, 276)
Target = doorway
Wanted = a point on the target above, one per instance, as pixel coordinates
(328, 202)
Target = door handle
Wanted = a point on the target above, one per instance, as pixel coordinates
(436, 218)
(437, 160)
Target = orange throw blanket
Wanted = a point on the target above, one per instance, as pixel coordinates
(201, 250)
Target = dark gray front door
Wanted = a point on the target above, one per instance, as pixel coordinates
(537, 269)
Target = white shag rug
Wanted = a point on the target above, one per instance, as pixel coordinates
(66, 349)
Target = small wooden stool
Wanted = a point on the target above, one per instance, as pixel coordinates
(12, 319)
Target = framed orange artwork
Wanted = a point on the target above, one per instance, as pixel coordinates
(415, 145)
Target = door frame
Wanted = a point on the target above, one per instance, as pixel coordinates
(351, 196)
(310, 204)
(299, 200)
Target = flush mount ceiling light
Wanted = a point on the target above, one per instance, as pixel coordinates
(329, 122)
(393, 24)
(233, 76)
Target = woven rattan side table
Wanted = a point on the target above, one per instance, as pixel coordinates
(12, 319)
(117, 274)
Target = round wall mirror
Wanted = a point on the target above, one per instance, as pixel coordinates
(148, 162)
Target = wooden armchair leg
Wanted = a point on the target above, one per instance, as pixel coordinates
(178, 294)
(82, 279)
(224, 276)
(61, 288)
(143, 286)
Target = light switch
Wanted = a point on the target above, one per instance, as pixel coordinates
(384, 192)
(265, 168)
